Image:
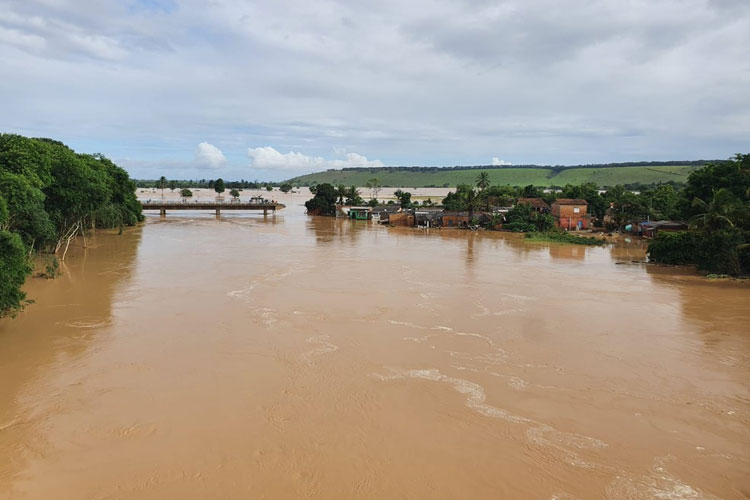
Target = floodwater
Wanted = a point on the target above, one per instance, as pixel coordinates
(294, 357)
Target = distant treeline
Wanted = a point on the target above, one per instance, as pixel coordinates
(375, 170)
(205, 184)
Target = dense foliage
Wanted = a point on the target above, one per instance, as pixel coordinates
(716, 202)
(324, 201)
(49, 195)
(522, 218)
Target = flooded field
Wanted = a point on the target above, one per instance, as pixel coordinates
(287, 357)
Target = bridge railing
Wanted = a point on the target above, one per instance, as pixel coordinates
(213, 202)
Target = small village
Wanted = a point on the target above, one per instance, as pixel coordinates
(568, 214)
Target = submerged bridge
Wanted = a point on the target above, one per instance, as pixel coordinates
(162, 205)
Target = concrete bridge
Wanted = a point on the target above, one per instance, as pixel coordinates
(162, 205)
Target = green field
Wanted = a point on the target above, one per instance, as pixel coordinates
(602, 176)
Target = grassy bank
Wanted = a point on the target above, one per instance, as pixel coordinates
(563, 237)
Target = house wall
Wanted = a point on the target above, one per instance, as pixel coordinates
(401, 219)
(567, 218)
(455, 220)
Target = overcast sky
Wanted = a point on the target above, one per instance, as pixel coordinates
(272, 89)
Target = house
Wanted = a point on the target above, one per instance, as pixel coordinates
(427, 216)
(649, 229)
(359, 213)
(571, 213)
(401, 219)
(452, 218)
(537, 204)
(382, 212)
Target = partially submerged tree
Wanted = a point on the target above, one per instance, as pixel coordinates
(374, 185)
(162, 184)
(324, 201)
(219, 186)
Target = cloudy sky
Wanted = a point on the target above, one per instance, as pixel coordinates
(272, 89)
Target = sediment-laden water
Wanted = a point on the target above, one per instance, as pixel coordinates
(290, 357)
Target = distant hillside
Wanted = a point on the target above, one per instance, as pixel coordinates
(522, 175)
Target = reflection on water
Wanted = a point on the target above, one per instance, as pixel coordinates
(294, 356)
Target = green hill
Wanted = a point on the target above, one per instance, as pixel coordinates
(514, 176)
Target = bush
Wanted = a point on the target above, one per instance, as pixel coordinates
(563, 237)
(672, 248)
(719, 252)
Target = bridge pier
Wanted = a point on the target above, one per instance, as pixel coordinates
(163, 212)
(265, 212)
(218, 212)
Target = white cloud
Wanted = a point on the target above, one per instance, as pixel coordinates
(269, 158)
(498, 162)
(208, 155)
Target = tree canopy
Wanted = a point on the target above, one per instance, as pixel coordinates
(50, 194)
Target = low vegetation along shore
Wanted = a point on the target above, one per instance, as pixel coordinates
(49, 194)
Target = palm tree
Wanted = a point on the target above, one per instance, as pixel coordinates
(162, 184)
(483, 181)
(718, 213)
(341, 192)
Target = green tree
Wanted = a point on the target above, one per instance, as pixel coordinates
(286, 187)
(186, 193)
(219, 186)
(353, 197)
(483, 181)
(324, 201)
(234, 193)
(403, 197)
(172, 185)
(718, 213)
(14, 267)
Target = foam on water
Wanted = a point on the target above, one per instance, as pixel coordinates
(323, 347)
(658, 484)
(538, 433)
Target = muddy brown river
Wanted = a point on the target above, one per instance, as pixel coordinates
(294, 357)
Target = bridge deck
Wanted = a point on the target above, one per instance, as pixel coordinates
(163, 206)
(205, 205)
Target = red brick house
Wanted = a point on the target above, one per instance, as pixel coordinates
(571, 213)
(537, 204)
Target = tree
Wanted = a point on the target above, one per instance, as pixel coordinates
(269, 188)
(718, 213)
(324, 201)
(14, 268)
(48, 195)
(161, 184)
(352, 196)
(404, 198)
(286, 187)
(532, 191)
(341, 192)
(186, 193)
(483, 181)
(172, 185)
(374, 186)
(234, 193)
(524, 218)
(219, 186)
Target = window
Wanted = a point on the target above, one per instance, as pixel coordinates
(576, 210)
